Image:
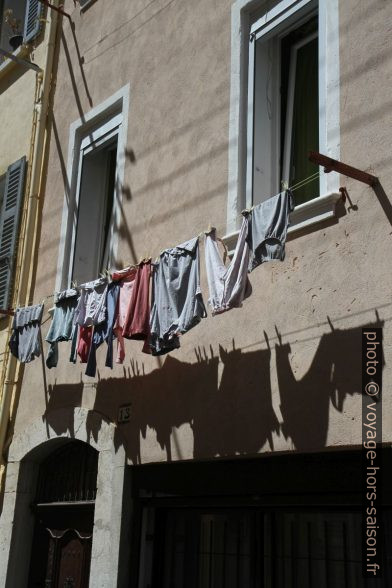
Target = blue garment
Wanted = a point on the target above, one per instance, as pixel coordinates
(74, 338)
(25, 341)
(61, 328)
(104, 331)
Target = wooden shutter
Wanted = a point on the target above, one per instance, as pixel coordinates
(32, 25)
(9, 226)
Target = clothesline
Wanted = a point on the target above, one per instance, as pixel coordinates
(11, 312)
(121, 308)
(208, 231)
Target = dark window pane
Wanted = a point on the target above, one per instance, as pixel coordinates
(300, 108)
(18, 8)
(68, 474)
(305, 131)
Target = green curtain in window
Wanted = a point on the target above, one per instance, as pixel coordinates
(305, 132)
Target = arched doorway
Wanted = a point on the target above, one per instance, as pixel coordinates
(64, 517)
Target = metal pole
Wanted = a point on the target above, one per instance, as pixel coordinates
(59, 10)
(330, 164)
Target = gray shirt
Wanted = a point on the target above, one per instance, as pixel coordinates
(269, 222)
(177, 303)
(91, 309)
(25, 341)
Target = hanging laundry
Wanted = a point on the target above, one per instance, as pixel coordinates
(269, 222)
(230, 285)
(133, 311)
(137, 320)
(104, 331)
(84, 342)
(91, 310)
(25, 340)
(61, 328)
(91, 306)
(177, 303)
(126, 286)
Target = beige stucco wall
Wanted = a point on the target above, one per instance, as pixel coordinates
(234, 387)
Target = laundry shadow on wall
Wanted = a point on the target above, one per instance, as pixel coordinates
(67, 397)
(334, 374)
(235, 417)
(227, 415)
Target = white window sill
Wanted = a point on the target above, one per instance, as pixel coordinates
(8, 64)
(313, 212)
(304, 215)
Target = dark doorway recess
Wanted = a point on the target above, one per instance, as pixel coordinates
(64, 518)
(288, 521)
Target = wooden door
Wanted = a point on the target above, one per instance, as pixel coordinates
(70, 565)
(62, 548)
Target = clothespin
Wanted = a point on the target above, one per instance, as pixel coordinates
(106, 274)
(74, 284)
(144, 259)
(210, 230)
(285, 185)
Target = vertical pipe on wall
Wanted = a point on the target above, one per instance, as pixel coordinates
(27, 248)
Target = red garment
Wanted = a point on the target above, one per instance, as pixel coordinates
(123, 301)
(137, 320)
(132, 317)
(84, 342)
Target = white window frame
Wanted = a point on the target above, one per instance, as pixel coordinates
(103, 122)
(241, 105)
(92, 141)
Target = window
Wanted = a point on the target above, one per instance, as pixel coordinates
(96, 188)
(11, 196)
(284, 103)
(26, 22)
(285, 113)
(92, 214)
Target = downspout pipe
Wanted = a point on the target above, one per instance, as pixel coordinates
(28, 239)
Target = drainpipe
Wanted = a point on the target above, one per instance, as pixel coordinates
(27, 250)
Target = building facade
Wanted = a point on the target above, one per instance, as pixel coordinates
(235, 460)
(28, 37)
